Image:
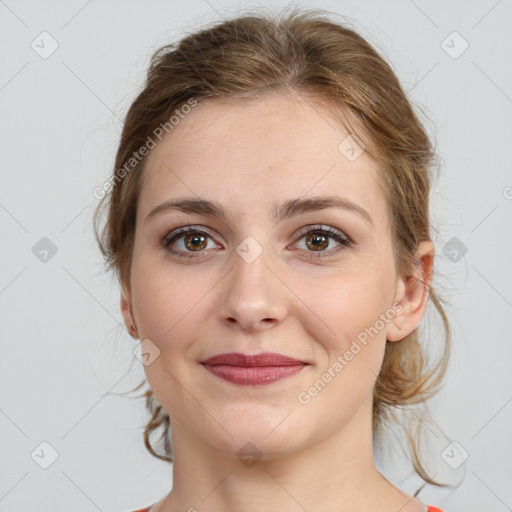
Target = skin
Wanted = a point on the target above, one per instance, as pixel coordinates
(289, 300)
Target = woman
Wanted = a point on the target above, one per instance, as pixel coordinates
(268, 222)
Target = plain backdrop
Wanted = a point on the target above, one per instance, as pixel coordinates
(68, 72)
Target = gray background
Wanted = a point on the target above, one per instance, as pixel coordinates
(62, 345)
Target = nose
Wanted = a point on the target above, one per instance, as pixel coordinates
(253, 298)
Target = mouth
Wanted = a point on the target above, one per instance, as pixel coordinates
(254, 369)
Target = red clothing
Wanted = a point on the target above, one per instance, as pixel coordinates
(430, 509)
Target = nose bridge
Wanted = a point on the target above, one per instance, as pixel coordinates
(253, 297)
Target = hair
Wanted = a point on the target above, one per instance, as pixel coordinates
(304, 52)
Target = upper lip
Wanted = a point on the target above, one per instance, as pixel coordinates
(248, 360)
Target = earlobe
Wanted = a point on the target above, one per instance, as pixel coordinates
(412, 293)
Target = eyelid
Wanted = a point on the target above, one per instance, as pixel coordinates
(180, 231)
(323, 227)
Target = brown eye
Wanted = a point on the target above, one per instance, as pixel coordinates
(318, 238)
(317, 241)
(195, 242)
(187, 240)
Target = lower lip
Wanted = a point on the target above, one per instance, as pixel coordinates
(254, 375)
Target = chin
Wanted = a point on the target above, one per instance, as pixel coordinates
(259, 435)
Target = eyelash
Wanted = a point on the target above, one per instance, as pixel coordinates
(331, 232)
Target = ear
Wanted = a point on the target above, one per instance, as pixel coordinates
(412, 293)
(126, 310)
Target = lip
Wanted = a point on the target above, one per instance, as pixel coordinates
(253, 369)
(250, 360)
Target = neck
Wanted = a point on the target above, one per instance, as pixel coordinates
(337, 473)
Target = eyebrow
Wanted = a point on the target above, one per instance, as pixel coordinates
(288, 209)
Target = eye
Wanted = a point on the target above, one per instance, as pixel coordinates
(317, 239)
(189, 239)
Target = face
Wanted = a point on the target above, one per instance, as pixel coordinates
(304, 280)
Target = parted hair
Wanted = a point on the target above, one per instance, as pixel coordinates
(304, 51)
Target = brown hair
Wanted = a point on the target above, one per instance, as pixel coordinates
(304, 52)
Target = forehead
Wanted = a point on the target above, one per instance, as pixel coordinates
(276, 147)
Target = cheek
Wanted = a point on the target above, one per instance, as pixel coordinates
(169, 309)
(351, 348)
(339, 308)
(169, 303)
(349, 335)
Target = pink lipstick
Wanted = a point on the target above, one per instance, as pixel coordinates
(253, 370)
